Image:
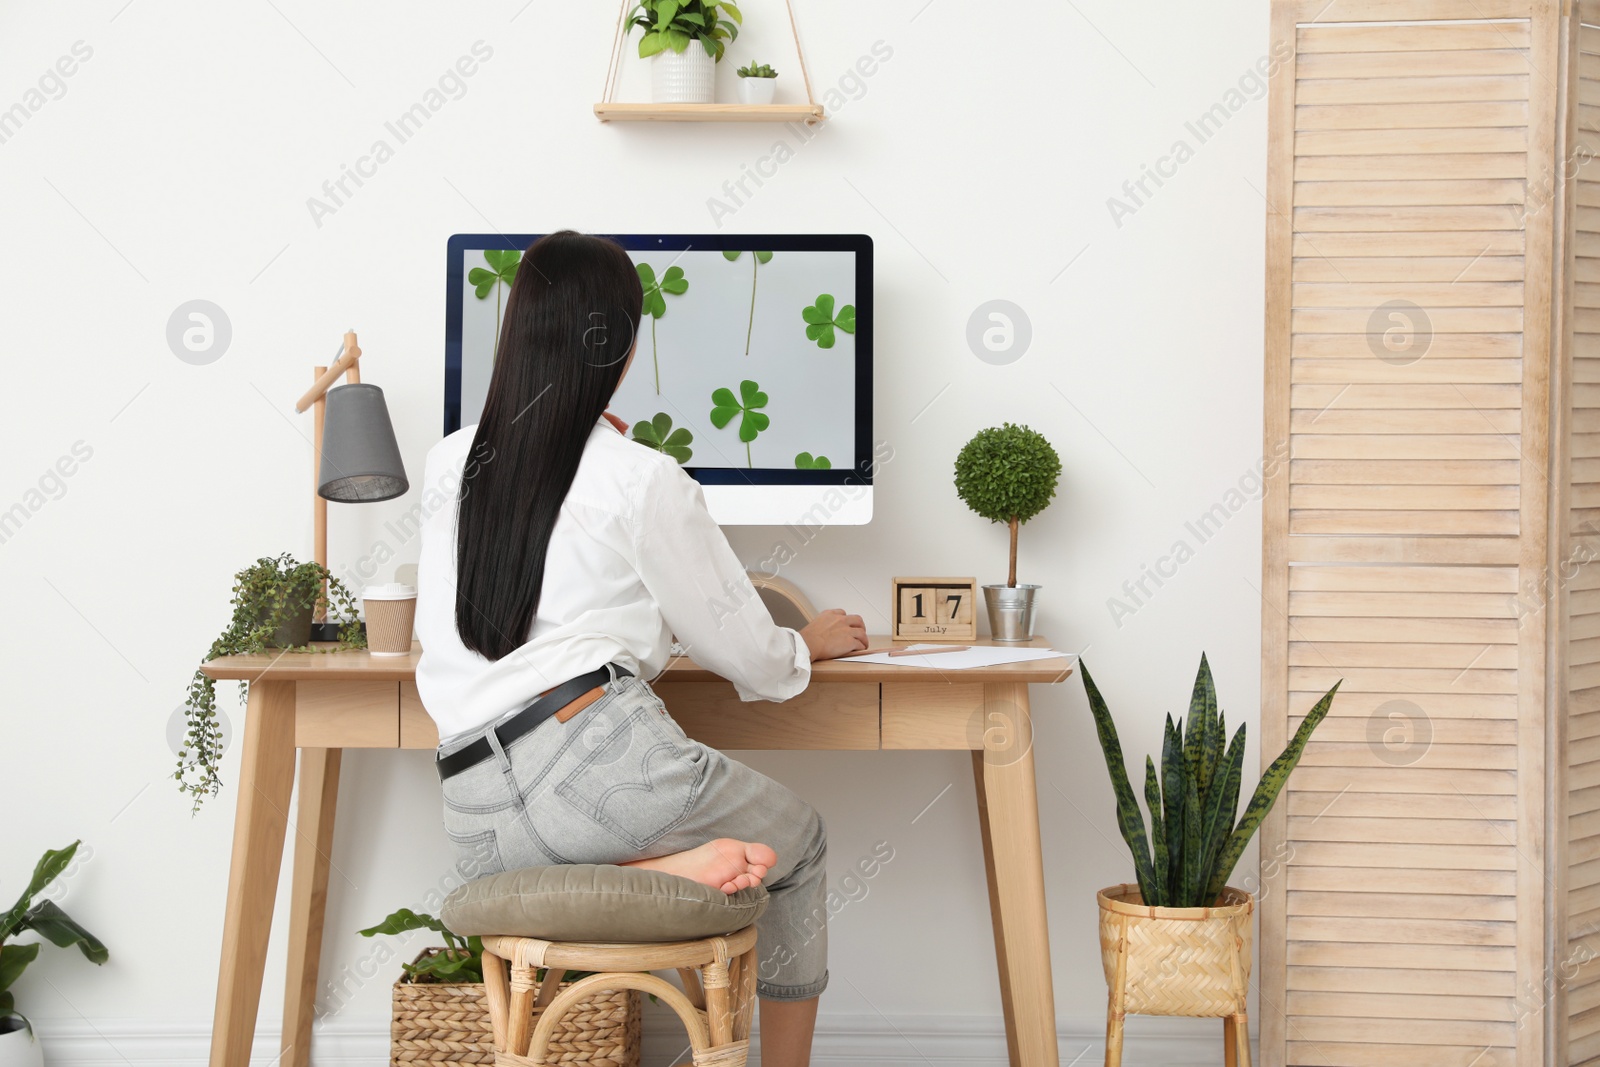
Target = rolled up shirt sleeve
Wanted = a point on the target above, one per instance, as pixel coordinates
(706, 597)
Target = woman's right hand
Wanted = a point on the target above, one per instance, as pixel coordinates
(833, 633)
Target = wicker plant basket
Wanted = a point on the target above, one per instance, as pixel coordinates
(448, 1023)
(1176, 961)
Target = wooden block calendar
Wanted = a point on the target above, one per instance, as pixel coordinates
(934, 609)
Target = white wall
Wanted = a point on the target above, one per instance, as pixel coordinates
(178, 164)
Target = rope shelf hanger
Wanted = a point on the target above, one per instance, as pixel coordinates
(610, 110)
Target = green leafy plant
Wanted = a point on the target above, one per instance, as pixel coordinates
(503, 263)
(724, 406)
(48, 921)
(461, 959)
(273, 601)
(657, 433)
(655, 303)
(821, 321)
(1196, 840)
(1007, 474)
(673, 24)
(757, 259)
(755, 70)
(805, 461)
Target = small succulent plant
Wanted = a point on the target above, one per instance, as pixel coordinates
(757, 70)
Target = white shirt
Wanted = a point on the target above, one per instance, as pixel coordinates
(634, 559)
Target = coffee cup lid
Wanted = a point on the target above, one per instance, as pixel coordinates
(389, 591)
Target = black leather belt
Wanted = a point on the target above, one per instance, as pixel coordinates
(525, 721)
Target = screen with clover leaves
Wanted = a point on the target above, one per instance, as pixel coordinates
(753, 362)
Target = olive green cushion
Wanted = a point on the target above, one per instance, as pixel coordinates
(598, 902)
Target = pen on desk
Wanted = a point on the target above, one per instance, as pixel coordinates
(897, 651)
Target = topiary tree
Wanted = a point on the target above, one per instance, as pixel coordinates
(1007, 474)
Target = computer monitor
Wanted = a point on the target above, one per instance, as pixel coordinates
(753, 368)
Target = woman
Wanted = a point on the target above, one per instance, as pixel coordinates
(570, 559)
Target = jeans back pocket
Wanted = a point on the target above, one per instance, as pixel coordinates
(637, 780)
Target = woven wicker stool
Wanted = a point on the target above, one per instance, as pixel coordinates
(716, 1004)
(1177, 961)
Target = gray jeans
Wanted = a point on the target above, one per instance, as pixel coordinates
(621, 781)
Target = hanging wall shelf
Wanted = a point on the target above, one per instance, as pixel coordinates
(610, 110)
(810, 114)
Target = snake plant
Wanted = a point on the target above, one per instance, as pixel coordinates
(1194, 842)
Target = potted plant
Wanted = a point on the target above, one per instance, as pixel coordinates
(273, 601)
(679, 73)
(18, 1046)
(1008, 474)
(1177, 941)
(441, 1014)
(756, 83)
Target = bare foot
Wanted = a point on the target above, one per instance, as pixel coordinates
(724, 864)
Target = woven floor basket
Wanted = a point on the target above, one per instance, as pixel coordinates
(448, 1023)
(1176, 961)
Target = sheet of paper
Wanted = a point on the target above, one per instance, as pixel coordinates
(980, 656)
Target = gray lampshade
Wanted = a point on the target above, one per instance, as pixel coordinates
(360, 458)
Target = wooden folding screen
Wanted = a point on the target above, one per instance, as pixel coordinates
(1574, 966)
(1416, 220)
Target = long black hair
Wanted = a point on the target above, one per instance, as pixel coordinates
(570, 322)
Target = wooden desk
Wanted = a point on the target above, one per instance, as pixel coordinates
(321, 704)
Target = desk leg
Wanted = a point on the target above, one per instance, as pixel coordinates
(313, 852)
(1008, 814)
(266, 778)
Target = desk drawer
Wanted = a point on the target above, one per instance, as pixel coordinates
(933, 715)
(344, 714)
(838, 715)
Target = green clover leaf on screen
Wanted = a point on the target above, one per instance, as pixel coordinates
(724, 406)
(503, 263)
(755, 266)
(821, 321)
(655, 304)
(658, 434)
(806, 462)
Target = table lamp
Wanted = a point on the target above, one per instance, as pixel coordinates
(356, 457)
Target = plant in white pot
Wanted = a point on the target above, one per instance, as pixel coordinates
(1008, 474)
(757, 83)
(684, 40)
(1178, 941)
(18, 1046)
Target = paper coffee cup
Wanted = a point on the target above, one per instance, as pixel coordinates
(391, 611)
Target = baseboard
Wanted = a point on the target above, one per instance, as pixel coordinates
(885, 1041)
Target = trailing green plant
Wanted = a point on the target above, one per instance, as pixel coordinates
(756, 70)
(267, 596)
(657, 433)
(821, 321)
(1007, 474)
(461, 960)
(45, 919)
(756, 261)
(724, 406)
(1194, 841)
(674, 24)
(655, 303)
